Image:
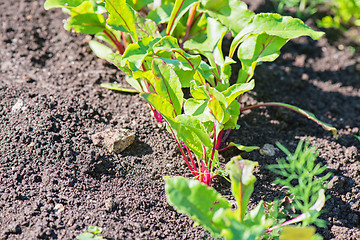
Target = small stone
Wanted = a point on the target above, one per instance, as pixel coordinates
(304, 77)
(110, 205)
(267, 150)
(355, 130)
(114, 140)
(18, 106)
(59, 208)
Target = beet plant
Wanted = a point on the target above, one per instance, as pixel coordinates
(167, 46)
(303, 179)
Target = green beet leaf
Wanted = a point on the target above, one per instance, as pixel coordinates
(118, 87)
(167, 84)
(89, 23)
(232, 229)
(61, 3)
(180, 8)
(255, 49)
(136, 53)
(242, 183)
(236, 90)
(196, 200)
(146, 27)
(100, 50)
(244, 148)
(195, 131)
(160, 103)
(183, 67)
(274, 24)
(138, 4)
(103, 37)
(211, 46)
(162, 13)
(122, 17)
(198, 109)
(233, 14)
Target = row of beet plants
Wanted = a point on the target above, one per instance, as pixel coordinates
(167, 46)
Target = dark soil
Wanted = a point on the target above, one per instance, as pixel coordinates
(55, 182)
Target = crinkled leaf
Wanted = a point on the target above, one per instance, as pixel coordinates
(218, 110)
(196, 200)
(121, 17)
(89, 23)
(204, 73)
(180, 8)
(160, 103)
(100, 50)
(167, 84)
(233, 229)
(167, 44)
(274, 24)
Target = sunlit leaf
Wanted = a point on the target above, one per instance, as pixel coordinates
(100, 50)
(118, 87)
(196, 200)
(180, 8)
(89, 23)
(121, 17)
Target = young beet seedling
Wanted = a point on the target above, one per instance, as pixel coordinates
(178, 44)
(92, 234)
(209, 209)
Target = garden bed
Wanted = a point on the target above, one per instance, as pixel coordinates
(54, 182)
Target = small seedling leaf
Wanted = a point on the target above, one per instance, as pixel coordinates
(242, 183)
(117, 87)
(244, 148)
